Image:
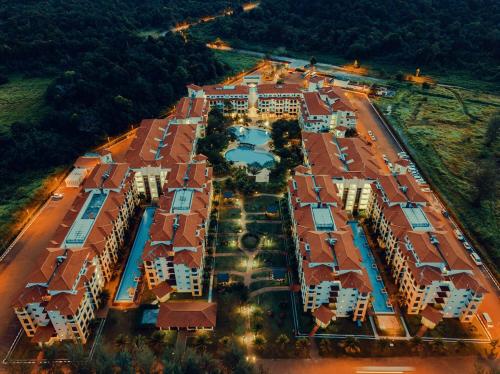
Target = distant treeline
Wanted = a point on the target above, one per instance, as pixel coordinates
(462, 34)
(106, 75)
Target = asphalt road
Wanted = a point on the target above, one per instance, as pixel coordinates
(22, 259)
(427, 365)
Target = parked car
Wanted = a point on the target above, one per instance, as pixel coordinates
(445, 213)
(57, 196)
(485, 317)
(476, 258)
(459, 234)
(468, 247)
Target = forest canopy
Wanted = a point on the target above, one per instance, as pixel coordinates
(461, 34)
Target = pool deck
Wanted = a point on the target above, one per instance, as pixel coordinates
(132, 270)
(380, 296)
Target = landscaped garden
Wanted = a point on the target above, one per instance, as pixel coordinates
(260, 204)
(271, 259)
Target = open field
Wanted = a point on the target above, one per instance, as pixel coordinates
(445, 130)
(21, 99)
(237, 62)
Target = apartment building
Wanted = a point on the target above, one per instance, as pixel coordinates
(329, 265)
(343, 114)
(428, 262)
(279, 99)
(175, 253)
(62, 295)
(349, 161)
(160, 144)
(315, 115)
(227, 98)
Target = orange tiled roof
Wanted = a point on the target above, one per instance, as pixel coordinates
(185, 314)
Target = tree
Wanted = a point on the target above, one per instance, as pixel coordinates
(282, 340)
(145, 359)
(325, 347)
(417, 345)
(121, 342)
(438, 346)
(157, 342)
(103, 363)
(78, 359)
(492, 131)
(225, 342)
(202, 341)
(302, 346)
(49, 356)
(123, 360)
(383, 344)
(351, 345)
(313, 61)
(485, 181)
(260, 342)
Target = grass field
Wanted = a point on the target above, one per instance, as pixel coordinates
(445, 129)
(21, 99)
(237, 62)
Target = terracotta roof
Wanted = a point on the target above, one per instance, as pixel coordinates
(66, 303)
(44, 333)
(466, 281)
(432, 314)
(189, 258)
(68, 270)
(178, 145)
(162, 289)
(189, 108)
(178, 314)
(317, 274)
(47, 264)
(144, 147)
(356, 281)
(272, 88)
(108, 176)
(218, 89)
(86, 162)
(314, 105)
(323, 314)
(425, 250)
(29, 295)
(191, 175)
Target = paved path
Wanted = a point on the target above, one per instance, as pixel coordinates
(260, 291)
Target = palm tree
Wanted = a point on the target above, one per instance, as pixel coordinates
(282, 341)
(157, 342)
(438, 346)
(417, 344)
(302, 346)
(325, 347)
(78, 359)
(225, 341)
(202, 341)
(121, 342)
(460, 346)
(383, 344)
(259, 342)
(351, 345)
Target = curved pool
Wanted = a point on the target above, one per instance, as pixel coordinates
(249, 156)
(251, 135)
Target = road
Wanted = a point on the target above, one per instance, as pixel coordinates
(386, 143)
(427, 365)
(22, 259)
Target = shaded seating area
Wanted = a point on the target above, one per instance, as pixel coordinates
(187, 315)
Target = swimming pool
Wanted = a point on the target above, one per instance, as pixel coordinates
(248, 139)
(251, 135)
(132, 273)
(380, 296)
(249, 156)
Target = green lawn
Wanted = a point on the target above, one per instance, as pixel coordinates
(237, 62)
(445, 136)
(237, 263)
(266, 283)
(229, 213)
(270, 260)
(226, 227)
(267, 228)
(21, 99)
(228, 244)
(259, 203)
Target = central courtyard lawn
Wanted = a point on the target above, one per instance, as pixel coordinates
(229, 213)
(230, 227)
(237, 263)
(444, 128)
(267, 228)
(259, 204)
(227, 243)
(266, 283)
(270, 260)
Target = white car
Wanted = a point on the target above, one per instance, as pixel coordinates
(467, 246)
(476, 258)
(57, 196)
(459, 234)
